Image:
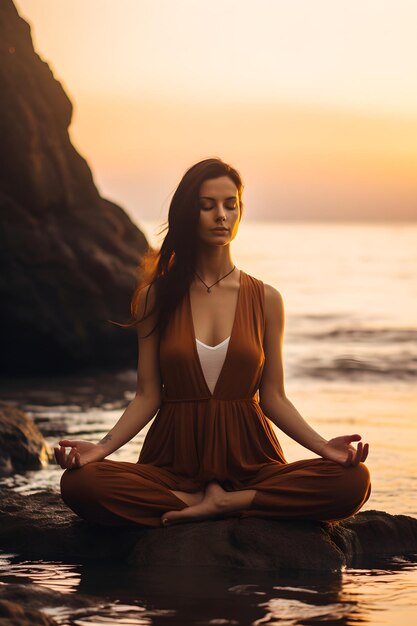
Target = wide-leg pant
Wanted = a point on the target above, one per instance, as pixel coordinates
(117, 493)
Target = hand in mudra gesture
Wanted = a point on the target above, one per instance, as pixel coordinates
(341, 451)
(81, 453)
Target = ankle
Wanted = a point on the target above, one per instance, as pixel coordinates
(222, 500)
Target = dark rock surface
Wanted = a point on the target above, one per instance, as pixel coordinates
(38, 596)
(41, 526)
(68, 257)
(22, 445)
(23, 604)
(13, 614)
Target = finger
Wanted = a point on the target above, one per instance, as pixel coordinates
(365, 452)
(77, 461)
(355, 437)
(62, 457)
(58, 456)
(66, 442)
(358, 454)
(70, 460)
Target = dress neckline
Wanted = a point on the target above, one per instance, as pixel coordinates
(231, 337)
(218, 345)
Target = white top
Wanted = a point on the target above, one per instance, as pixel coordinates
(212, 359)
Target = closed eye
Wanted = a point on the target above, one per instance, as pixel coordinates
(229, 205)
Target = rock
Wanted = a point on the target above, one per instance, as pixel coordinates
(254, 543)
(39, 596)
(22, 445)
(68, 257)
(374, 533)
(12, 614)
(23, 604)
(41, 526)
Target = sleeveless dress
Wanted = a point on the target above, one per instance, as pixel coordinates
(198, 436)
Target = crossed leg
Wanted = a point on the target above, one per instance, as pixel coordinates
(118, 493)
(312, 489)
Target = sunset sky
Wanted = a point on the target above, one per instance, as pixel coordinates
(314, 102)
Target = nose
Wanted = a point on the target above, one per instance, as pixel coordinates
(221, 212)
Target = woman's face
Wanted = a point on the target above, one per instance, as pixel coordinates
(219, 206)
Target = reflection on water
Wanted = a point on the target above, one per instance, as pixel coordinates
(385, 594)
(51, 574)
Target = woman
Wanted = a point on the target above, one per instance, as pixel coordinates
(210, 368)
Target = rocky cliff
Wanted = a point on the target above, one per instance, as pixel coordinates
(67, 255)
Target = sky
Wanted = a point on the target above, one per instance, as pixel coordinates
(313, 101)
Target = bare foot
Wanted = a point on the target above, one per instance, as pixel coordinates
(211, 505)
(215, 503)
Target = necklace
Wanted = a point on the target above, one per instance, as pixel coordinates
(217, 281)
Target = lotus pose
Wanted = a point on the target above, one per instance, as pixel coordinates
(210, 373)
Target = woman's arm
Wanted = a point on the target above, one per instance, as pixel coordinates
(278, 408)
(137, 414)
(148, 388)
(139, 411)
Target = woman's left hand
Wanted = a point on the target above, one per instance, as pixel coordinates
(341, 451)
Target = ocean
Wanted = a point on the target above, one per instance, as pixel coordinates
(350, 363)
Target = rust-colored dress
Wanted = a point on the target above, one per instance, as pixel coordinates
(198, 436)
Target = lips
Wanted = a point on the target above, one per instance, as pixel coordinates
(220, 230)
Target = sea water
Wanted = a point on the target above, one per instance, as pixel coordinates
(350, 361)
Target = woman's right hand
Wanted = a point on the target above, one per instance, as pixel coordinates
(81, 453)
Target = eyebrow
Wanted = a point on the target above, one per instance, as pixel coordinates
(208, 198)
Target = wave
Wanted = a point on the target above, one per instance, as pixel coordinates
(355, 334)
(398, 367)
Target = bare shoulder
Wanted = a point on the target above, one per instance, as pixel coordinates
(274, 310)
(148, 372)
(274, 303)
(146, 314)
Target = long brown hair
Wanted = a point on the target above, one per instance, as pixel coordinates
(171, 268)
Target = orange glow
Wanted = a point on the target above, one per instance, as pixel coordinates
(296, 158)
(318, 126)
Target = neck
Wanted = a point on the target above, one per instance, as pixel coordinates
(214, 264)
